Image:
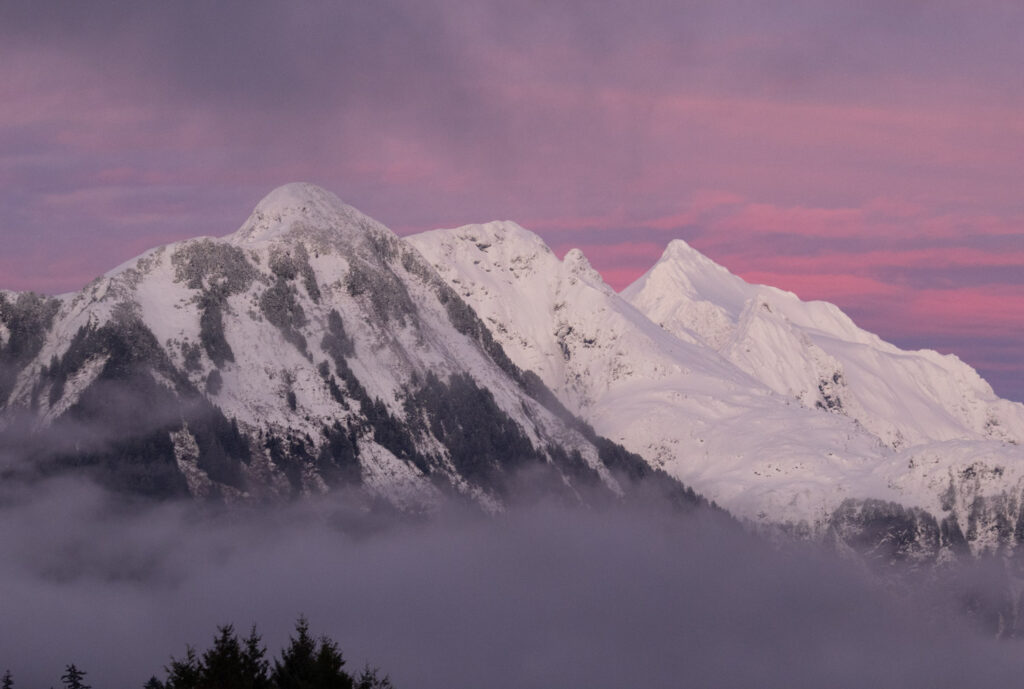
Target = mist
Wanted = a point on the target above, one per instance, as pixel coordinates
(542, 596)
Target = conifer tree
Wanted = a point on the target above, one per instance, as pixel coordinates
(73, 678)
(305, 664)
(7, 682)
(254, 662)
(327, 668)
(221, 665)
(295, 668)
(184, 673)
(370, 679)
(234, 664)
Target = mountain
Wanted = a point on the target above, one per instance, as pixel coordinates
(672, 400)
(813, 352)
(783, 411)
(311, 349)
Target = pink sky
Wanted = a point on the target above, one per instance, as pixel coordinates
(868, 153)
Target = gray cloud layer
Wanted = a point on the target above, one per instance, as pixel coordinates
(544, 597)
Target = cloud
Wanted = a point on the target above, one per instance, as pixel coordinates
(764, 133)
(902, 270)
(545, 596)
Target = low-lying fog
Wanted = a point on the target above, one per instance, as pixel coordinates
(545, 596)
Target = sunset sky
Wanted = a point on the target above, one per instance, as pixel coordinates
(870, 153)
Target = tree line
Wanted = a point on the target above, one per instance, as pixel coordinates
(241, 663)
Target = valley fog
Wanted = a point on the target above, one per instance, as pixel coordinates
(544, 595)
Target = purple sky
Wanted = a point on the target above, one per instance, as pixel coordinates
(868, 153)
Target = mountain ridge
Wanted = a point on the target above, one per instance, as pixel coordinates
(760, 401)
(323, 348)
(313, 348)
(670, 297)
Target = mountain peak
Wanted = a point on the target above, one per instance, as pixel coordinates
(680, 252)
(297, 197)
(577, 264)
(682, 270)
(507, 232)
(279, 210)
(490, 244)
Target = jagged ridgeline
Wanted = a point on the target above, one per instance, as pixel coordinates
(311, 349)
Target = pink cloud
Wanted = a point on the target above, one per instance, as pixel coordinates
(971, 311)
(826, 286)
(48, 275)
(904, 311)
(841, 262)
(829, 182)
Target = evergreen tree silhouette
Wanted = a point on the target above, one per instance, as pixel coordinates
(308, 664)
(370, 679)
(254, 662)
(184, 673)
(221, 665)
(73, 678)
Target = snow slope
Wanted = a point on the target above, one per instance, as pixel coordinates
(813, 352)
(778, 409)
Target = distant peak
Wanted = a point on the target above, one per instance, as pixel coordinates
(679, 258)
(684, 271)
(678, 245)
(680, 251)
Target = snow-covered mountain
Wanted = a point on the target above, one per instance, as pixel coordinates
(310, 348)
(783, 411)
(813, 352)
(313, 348)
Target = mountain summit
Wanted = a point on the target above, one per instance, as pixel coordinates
(304, 208)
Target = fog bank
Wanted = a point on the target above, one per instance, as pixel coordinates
(546, 596)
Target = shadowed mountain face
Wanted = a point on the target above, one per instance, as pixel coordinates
(310, 349)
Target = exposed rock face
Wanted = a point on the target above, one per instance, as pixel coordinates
(310, 349)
